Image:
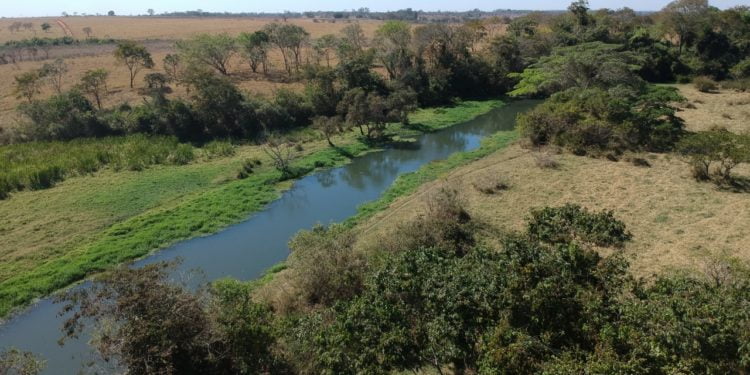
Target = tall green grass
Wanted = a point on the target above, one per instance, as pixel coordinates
(40, 165)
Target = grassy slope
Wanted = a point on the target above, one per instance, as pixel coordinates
(127, 215)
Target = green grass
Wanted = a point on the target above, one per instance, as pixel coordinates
(145, 211)
(41, 165)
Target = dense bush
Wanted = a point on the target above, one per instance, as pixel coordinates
(62, 117)
(571, 223)
(596, 120)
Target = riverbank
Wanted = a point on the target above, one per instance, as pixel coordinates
(95, 222)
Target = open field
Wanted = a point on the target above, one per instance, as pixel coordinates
(725, 109)
(85, 224)
(158, 34)
(677, 223)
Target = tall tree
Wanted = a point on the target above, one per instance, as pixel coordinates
(135, 57)
(392, 41)
(212, 50)
(94, 83)
(289, 39)
(684, 19)
(254, 47)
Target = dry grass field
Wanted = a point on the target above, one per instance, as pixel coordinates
(158, 34)
(677, 223)
(724, 109)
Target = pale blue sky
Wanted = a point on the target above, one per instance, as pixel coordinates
(27, 8)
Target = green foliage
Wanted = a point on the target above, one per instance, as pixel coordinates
(94, 83)
(586, 65)
(63, 116)
(742, 69)
(28, 84)
(722, 147)
(597, 120)
(135, 57)
(254, 46)
(214, 51)
(571, 223)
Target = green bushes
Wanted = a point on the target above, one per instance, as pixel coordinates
(573, 223)
(718, 147)
(39, 165)
(597, 120)
(705, 84)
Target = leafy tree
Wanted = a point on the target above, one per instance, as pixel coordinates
(54, 73)
(392, 41)
(135, 57)
(351, 42)
(254, 47)
(324, 46)
(720, 146)
(94, 83)
(63, 116)
(211, 50)
(289, 39)
(587, 65)
(684, 19)
(173, 68)
(328, 126)
(150, 12)
(46, 27)
(29, 84)
(111, 13)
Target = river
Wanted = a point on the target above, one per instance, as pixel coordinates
(246, 249)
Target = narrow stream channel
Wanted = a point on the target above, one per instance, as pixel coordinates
(246, 249)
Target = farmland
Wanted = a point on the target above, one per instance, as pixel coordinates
(159, 35)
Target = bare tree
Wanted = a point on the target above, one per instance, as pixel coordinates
(281, 153)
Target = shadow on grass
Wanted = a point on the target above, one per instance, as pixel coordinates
(419, 127)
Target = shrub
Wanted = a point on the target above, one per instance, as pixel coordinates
(219, 149)
(717, 146)
(597, 120)
(246, 169)
(324, 265)
(546, 161)
(705, 84)
(741, 70)
(572, 222)
(489, 184)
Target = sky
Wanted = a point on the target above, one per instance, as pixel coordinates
(33, 8)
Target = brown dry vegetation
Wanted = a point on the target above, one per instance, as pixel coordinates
(158, 35)
(724, 109)
(677, 223)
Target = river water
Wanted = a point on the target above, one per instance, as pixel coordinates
(246, 249)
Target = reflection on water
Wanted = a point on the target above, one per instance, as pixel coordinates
(247, 249)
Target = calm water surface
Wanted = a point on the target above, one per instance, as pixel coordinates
(246, 249)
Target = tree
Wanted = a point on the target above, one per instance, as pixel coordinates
(392, 41)
(145, 323)
(94, 83)
(717, 146)
(29, 84)
(173, 67)
(135, 57)
(328, 126)
(212, 50)
(324, 46)
(111, 13)
(254, 47)
(289, 39)
(54, 73)
(150, 12)
(684, 18)
(46, 26)
(352, 42)
(88, 31)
